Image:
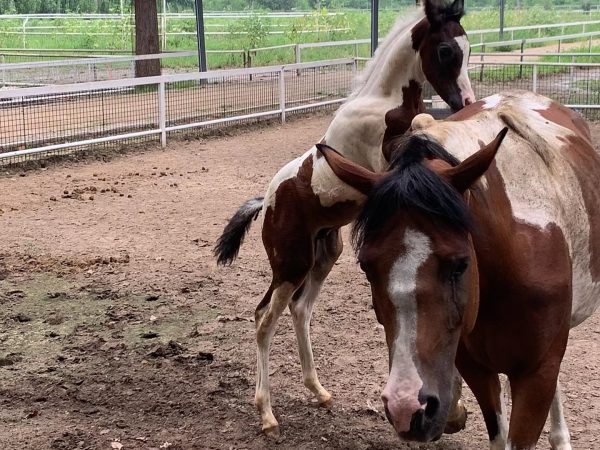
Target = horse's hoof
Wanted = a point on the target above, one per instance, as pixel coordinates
(271, 431)
(456, 424)
(326, 403)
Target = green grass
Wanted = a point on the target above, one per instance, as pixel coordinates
(349, 25)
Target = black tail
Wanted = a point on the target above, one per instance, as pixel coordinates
(228, 245)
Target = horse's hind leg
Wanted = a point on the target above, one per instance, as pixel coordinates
(327, 250)
(559, 438)
(267, 313)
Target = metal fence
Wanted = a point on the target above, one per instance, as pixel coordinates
(56, 119)
(52, 119)
(584, 32)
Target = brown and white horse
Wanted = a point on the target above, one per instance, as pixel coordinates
(486, 263)
(305, 204)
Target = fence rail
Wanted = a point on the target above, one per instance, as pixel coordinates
(107, 66)
(55, 119)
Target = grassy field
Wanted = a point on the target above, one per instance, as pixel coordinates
(104, 35)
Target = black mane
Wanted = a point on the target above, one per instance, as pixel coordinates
(411, 185)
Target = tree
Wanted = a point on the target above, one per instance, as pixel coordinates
(27, 6)
(146, 37)
(277, 5)
(7, 6)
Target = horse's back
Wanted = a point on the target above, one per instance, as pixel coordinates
(549, 171)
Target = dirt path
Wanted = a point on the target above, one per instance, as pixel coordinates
(117, 328)
(513, 56)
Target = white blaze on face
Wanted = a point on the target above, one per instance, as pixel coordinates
(401, 392)
(463, 81)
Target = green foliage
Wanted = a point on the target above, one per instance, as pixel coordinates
(251, 31)
(27, 6)
(7, 7)
(277, 5)
(256, 31)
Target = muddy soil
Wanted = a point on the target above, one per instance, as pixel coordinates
(119, 331)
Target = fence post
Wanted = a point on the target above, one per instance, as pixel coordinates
(298, 57)
(535, 78)
(282, 93)
(25, 32)
(3, 61)
(571, 69)
(162, 114)
(481, 57)
(559, 42)
(521, 58)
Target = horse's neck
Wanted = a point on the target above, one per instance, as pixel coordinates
(394, 65)
(359, 125)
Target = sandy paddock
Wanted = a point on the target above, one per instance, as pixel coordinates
(118, 328)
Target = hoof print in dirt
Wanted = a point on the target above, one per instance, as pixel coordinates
(164, 351)
(152, 297)
(201, 358)
(149, 335)
(10, 359)
(21, 318)
(57, 295)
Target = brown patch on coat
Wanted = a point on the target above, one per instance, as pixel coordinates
(290, 229)
(585, 163)
(398, 120)
(468, 111)
(566, 117)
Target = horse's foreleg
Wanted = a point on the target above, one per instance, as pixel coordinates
(559, 438)
(327, 251)
(485, 385)
(532, 396)
(267, 314)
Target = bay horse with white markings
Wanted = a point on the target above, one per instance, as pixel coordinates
(305, 204)
(485, 263)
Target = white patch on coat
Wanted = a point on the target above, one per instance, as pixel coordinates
(559, 437)
(329, 188)
(499, 442)
(287, 172)
(463, 81)
(492, 101)
(404, 380)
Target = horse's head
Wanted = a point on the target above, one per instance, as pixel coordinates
(413, 242)
(444, 50)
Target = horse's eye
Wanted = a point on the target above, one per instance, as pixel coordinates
(460, 266)
(445, 53)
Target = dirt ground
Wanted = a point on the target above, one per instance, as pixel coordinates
(119, 331)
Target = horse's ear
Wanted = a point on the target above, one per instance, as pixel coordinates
(349, 172)
(468, 171)
(434, 12)
(456, 10)
(438, 12)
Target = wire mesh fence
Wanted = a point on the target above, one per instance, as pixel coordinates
(575, 85)
(60, 118)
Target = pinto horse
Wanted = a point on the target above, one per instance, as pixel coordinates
(485, 263)
(305, 204)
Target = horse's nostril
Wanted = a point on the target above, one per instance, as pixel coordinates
(468, 101)
(432, 406)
